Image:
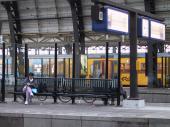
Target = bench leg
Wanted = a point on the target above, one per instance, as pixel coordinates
(112, 101)
(105, 100)
(55, 98)
(73, 100)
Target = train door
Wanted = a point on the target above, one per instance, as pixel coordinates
(111, 69)
(98, 68)
(95, 69)
(114, 69)
(166, 72)
(46, 67)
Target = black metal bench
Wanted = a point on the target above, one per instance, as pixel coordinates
(40, 96)
(46, 84)
(68, 89)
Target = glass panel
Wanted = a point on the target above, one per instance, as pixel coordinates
(46, 67)
(60, 67)
(67, 68)
(20, 61)
(71, 65)
(35, 66)
(52, 67)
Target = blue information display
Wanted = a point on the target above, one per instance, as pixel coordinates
(114, 21)
(143, 27)
(151, 29)
(157, 30)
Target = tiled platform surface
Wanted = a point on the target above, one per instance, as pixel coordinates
(82, 115)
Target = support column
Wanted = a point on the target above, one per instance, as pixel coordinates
(55, 73)
(15, 32)
(78, 24)
(26, 61)
(133, 55)
(3, 74)
(119, 73)
(0, 27)
(134, 100)
(73, 71)
(150, 65)
(15, 71)
(107, 60)
(152, 50)
(155, 68)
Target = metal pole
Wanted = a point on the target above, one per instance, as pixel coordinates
(166, 72)
(73, 72)
(119, 73)
(133, 55)
(162, 71)
(42, 68)
(26, 60)
(69, 68)
(64, 67)
(55, 73)
(107, 60)
(3, 74)
(15, 71)
(106, 70)
(146, 64)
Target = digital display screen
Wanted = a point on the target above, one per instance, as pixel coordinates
(157, 30)
(117, 20)
(145, 27)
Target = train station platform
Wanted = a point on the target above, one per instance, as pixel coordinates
(46, 114)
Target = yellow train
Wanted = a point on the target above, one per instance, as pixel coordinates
(97, 65)
(42, 65)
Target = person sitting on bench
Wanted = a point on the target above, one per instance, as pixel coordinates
(29, 84)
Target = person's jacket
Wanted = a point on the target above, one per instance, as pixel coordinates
(32, 83)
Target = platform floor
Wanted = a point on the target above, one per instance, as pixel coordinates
(82, 115)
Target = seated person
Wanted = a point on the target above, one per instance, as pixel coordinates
(29, 84)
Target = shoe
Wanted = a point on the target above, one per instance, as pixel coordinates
(32, 94)
(26, 102)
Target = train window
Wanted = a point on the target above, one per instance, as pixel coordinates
(142, 65)
(122, 66)
(159, 66)
(125, 67)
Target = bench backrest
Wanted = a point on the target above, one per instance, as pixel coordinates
(86, 85)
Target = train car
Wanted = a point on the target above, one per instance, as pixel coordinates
(43, 66)
(96, 65)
